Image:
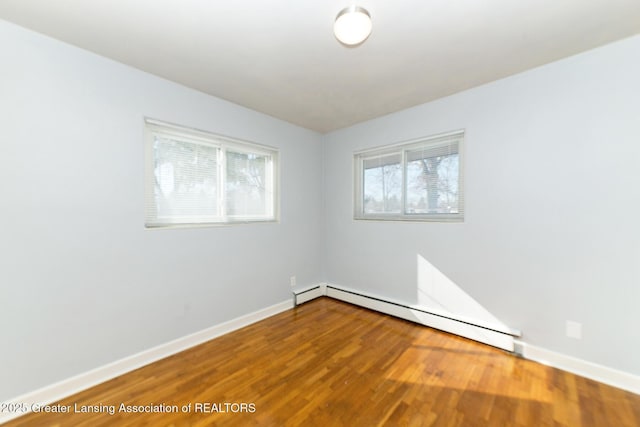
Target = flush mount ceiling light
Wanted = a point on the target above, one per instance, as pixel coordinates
(352, 26)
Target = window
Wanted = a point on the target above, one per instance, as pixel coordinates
(194, 177)
(414, 181)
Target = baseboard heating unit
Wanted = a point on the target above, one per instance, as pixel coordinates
(495, 335)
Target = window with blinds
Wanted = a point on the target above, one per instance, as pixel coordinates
(419, 180)
(194, 177)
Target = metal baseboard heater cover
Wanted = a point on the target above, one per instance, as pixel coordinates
(487, 334)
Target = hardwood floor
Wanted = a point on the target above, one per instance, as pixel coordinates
(327, 363)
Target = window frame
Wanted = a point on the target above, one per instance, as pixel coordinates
(402, 148)
(223, 144)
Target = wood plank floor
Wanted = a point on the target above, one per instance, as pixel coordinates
(327, 363)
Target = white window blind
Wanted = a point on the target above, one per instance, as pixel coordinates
(194, 177)
(418, 180)
(185, 180)
(248, 185)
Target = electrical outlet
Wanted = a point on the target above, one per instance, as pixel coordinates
(574, 330)
(293, 281)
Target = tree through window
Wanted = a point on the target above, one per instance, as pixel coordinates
(421, 180)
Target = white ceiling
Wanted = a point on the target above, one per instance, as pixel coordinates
(280, 57)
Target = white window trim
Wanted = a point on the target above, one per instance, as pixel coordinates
(402, 148)
(224, 143)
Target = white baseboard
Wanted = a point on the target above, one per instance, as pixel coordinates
(600, 373)
(78, 383)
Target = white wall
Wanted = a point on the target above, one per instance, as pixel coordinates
(82, 283)
(552, 205)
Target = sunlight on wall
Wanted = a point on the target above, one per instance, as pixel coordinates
(437, 293)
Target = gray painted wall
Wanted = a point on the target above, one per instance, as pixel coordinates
(552, 205)
(82, 282)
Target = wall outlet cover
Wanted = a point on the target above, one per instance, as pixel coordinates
(574, 329)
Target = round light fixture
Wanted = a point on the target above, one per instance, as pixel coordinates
(352, 26)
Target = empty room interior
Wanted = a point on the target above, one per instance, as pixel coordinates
(252, 213)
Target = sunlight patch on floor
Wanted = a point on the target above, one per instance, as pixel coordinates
(484, 372)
